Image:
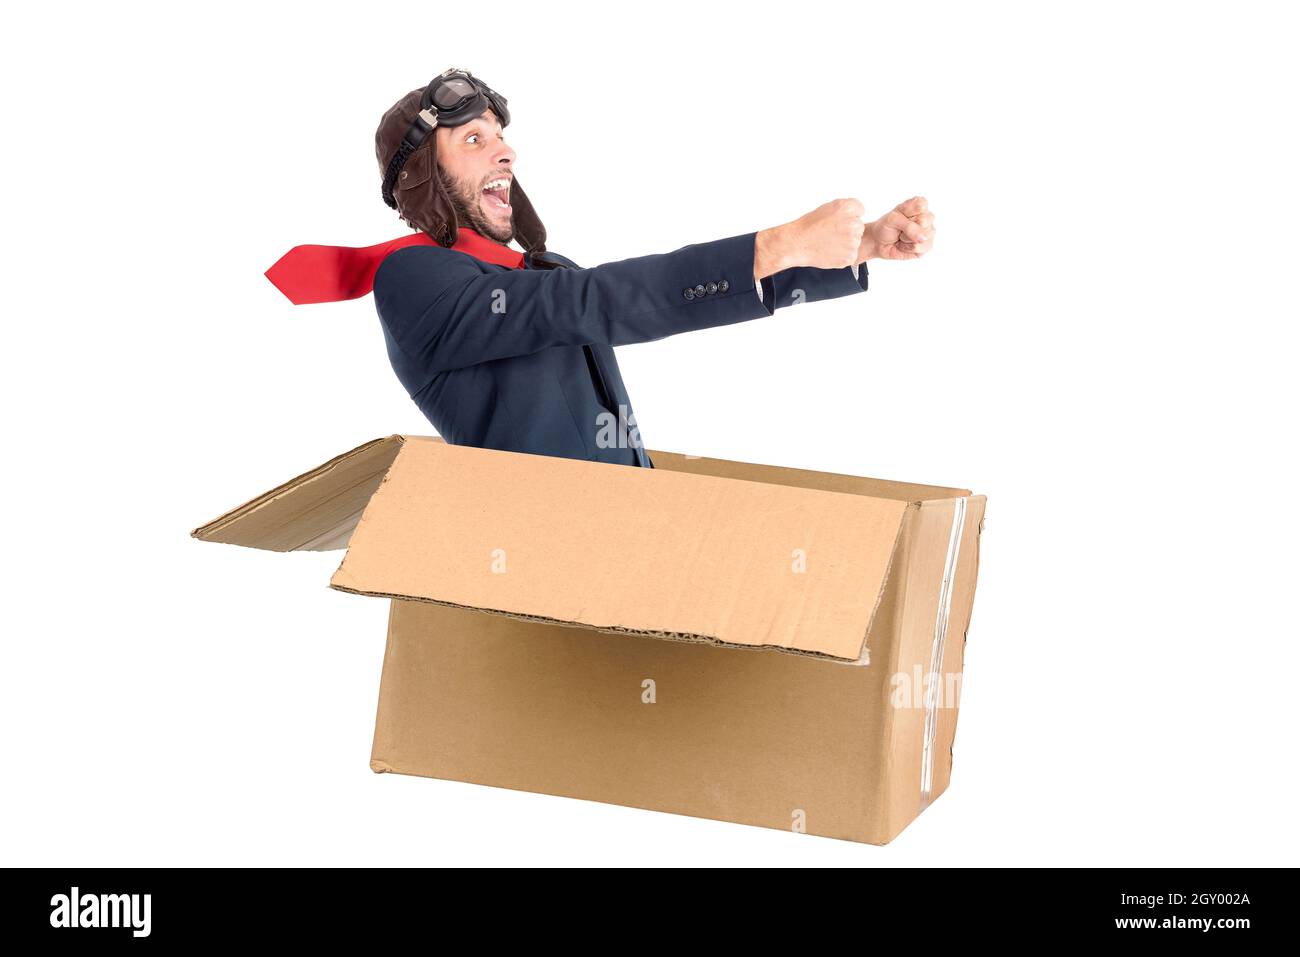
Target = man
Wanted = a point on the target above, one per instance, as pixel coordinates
(508, 350)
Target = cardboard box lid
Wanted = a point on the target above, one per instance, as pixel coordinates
(655, 552)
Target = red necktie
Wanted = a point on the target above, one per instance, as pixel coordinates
(308, 274)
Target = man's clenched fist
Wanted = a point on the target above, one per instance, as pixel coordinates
(905, 232)
(830, 236)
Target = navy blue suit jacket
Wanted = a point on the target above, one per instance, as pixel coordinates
(523, 359)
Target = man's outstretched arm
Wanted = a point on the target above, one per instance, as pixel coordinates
(443, 310)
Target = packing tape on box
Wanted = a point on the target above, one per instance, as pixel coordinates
(935, 684)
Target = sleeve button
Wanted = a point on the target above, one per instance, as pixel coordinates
(723, 286)
(688, 293)
(699, 290)
(711, 288)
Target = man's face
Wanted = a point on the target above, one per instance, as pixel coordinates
(474, 156)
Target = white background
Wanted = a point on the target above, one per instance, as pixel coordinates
(1102, 341)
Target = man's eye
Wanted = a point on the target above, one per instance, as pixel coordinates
(472, 136)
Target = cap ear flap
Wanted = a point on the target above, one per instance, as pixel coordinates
(422, 197)
(529, 231)
(415, 172)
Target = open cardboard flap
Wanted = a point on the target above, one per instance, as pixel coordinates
(316, 511)
(659, 552)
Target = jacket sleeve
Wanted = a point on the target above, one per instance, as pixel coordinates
(810, 284)
(445, 312)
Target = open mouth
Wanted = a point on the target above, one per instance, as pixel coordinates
(497, 193)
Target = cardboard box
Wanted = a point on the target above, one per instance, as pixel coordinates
(731, 641)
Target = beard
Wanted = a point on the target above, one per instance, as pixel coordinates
(465, 199)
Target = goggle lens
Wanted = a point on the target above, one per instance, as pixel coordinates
(452, 92)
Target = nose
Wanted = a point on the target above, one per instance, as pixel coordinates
(503, 155)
